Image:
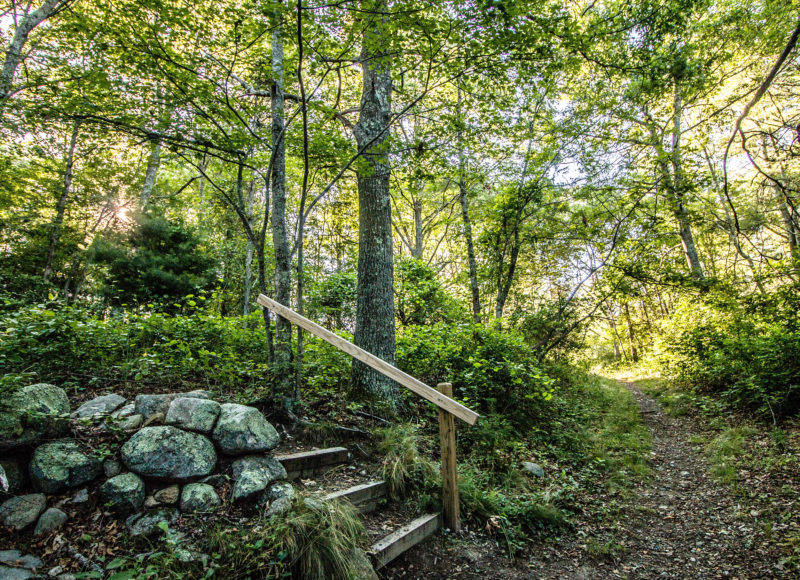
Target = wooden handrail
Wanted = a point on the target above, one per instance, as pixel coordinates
(439, 399)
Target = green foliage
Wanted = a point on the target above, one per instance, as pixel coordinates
(492, 371)
(406, 466)
(419, 296)
(156, 261)
(69, 346)
(319, 538)
(748, 355)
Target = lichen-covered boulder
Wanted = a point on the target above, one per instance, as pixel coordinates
(147, 405)
(124, 493)
(99, 407)
(51, 519)
(168, 496)
(63, 464)
(31, 413)
(193, 414)
(169, 453)
(21, 511)
(278, 498)
(252, 475)
(199, 497)
(241, 429)
(147, 524)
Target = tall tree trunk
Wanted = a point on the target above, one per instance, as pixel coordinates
(375, 301)
(462, 194)
(280, 240)
(418, 241)
(248, 257)
(150, 174)
(61, 206)
(631, 335)
(13, 58)
(504, 284)
(681, 213)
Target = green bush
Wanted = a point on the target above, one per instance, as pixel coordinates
(68, 346)
(747, 353)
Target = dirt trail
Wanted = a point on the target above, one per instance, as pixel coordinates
(678, 524)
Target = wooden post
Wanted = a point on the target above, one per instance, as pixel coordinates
(447, 438)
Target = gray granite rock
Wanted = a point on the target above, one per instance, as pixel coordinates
(241, 430)
(193, 414)
(279, 497)
(130, 423)
(31, 413)
(61, 465)
(252, 475)
(169, 453)
(82, 496)
(15, 573)
(14, 476)
(19, 512)
(99, 407)
(533, 468)
(168, 496)
(124, 493)
(112, 467)
(199, 497)
(147, 405)
(147, 524)
(124, 411)
(16, 559)
(51, 519)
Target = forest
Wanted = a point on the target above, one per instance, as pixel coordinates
(583, 215)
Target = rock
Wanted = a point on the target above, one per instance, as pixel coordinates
(154, 419)
(21, 511)
(62, 464)
(133, 422)
(112, 467)
(147, 405)
(81, 497)
(199, 497)
(51, 519)
(241, 429)
(169, 453)
(193, 414)
(15, 573)
(280, 497)
(533, 468)
(168, 495)
(253, 475)
(150, 502)
(124, 411)
(55, 571)
(146, 525)
(124, 493)
(215, 480)
(16, 559)
(99, 407)
(31, 413)
(14, 475)
(360, 566)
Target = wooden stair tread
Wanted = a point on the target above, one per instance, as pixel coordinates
(364, 496)
(390, 547)
(310, 463)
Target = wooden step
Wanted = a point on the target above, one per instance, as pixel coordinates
(387, 549)
(365, 496)
(312, 463)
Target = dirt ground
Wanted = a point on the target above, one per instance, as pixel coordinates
(678, 524)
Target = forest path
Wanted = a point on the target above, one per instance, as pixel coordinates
(678, 523)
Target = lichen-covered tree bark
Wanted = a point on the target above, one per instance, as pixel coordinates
(375, 300)
(283, 265)
(151, 174)
(61, 206)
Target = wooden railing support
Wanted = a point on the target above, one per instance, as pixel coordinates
(447, 438)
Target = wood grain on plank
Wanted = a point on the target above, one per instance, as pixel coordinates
(387, 549)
